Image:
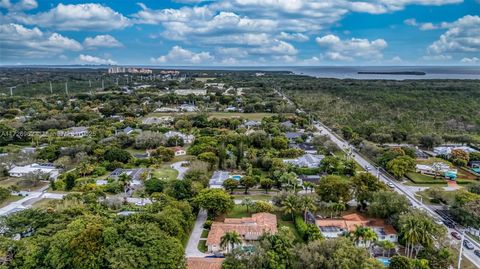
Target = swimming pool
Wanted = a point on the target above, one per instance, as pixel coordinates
(236, 177)
(476, 170)
(384, 260)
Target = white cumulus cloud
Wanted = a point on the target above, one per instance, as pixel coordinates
(93, 17)
(106, 41)
(463, 35)
(351, 49)
(472, 60)
(20, 41)
(179, 55)
(88, 59)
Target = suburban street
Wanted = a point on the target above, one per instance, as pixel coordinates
(408, 191)
(400, 188)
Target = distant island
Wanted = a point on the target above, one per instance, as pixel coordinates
(413, 73)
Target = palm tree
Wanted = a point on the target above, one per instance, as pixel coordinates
(290, 205)
(412, 232)
(229, 239)
(248, 203)
(365, 234)
(307, 204)
(386, 246)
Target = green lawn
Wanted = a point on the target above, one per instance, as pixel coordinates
(239, 211)
(43, 203)
(165, 173)
(11, 198)
(12, 181)
(204, 234)
(418, 178)
(202, 246)
(260, 197)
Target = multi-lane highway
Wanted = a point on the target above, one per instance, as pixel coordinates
(398, 187)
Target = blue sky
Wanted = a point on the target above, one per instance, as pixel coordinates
(241, 32)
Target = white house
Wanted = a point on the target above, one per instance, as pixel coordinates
(45, 168)
(187, 139)
(191, 91)
(306, 160)
(446, 150)
(438, 168)
(80, 131)
(179, 151)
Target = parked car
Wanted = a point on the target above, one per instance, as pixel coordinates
(468, 245)
(456, 235)
(477, 252)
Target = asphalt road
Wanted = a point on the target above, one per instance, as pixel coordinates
(400, 188)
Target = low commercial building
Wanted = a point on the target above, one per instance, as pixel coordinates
(41, 168)
(249, 229)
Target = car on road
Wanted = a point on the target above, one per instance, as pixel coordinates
(468, 245)
(449, 224)
(456, 235)
(367, 168)
(390, 184)
(477, 252)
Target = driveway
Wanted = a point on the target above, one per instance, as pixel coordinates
(181, 169)
(192, 249)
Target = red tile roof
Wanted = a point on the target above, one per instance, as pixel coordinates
(351, 221)
(248, 228)
(204, 263)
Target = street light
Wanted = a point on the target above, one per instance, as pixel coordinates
(461, 250)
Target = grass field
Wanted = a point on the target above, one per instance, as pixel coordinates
(10, 199)
(260, 197)
(204, 234)
(202, 246)
(165, 173)
(43, 203)
(218, 115)
(15, 181)
(418, 178)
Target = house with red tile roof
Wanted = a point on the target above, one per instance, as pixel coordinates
(204, 263)
(249, 229)
(332, 228)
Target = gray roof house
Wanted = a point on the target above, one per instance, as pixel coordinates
(287, 124)
(218, 178)
(80, 131)
(134, 174)
(252, 124)
(307, 160)
(293, 135)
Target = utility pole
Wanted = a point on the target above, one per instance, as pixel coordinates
(90, 83)
(51, 89)
(461, 250)
(103, 85)
(66, 87)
